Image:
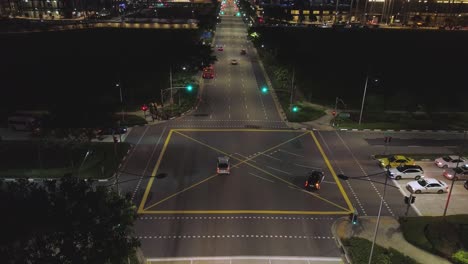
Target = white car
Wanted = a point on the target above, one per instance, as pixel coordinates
(406, 172)
(234, 62)
(450, 161)
(428, 185)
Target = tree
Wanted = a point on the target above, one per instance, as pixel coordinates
(70, 221)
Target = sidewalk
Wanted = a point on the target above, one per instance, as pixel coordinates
(389, 235)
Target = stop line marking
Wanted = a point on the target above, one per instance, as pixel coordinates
(234, 217)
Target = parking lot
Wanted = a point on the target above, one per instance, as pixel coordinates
(434, 204)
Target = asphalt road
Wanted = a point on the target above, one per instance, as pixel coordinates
(260, 209)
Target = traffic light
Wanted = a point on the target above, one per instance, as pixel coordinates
(264, 89)
(295, 109)
(238, 14)
(353, 217)
(189, 88)
(410, 199)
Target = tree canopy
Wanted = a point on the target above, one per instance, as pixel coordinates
(66, 221)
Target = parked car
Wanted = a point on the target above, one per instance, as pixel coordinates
(406, 172)
(457, 173)
(395, 161)
(220, 48)
(450, 161)
(234, 62)
(243, 52)
(427, 185)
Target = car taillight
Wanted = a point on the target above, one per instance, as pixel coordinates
(306, 184)
(217, 170)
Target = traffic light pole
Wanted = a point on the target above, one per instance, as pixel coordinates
(410, 201)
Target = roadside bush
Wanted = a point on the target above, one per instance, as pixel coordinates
(460, 257)
(443, 236)
(359, 250)
(132, 120)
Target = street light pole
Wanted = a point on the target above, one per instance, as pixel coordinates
(378, 217)
(121, 99)
(454, 176)
(292, 87)
(170, 83)
(363, 99)
(336, 11)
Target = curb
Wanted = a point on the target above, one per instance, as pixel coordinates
(344, 253)
(273, 92)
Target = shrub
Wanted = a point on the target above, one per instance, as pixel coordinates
(460, 257)
(359, 250)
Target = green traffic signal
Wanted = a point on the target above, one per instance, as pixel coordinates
(264, 89)
(295, 109)
(189, 88)
(238, 13)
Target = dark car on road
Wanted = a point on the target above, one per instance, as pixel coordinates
(223, 166)
(313, 180)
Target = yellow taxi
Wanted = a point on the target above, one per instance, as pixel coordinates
(395, 161)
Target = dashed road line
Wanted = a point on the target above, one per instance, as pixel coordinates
(232, 236)
(271, 157)
(285, 172)
(365, 173)
(261, 177)
(341, 171)
(147, 163)
(290, 153)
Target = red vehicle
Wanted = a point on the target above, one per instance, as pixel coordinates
(208, 72)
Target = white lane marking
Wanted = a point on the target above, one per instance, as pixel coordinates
(290, 153)
(247, 115)
(404, 194)
(211, 116)
(279, 170)
(229, 115)
(148, 162)
(309, 167)
(245, 106)
(341, 171)
(261, 177)
(365, 173)
(270, 156)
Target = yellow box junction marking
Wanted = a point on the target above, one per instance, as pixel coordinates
(143, 210)
(340, 187)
